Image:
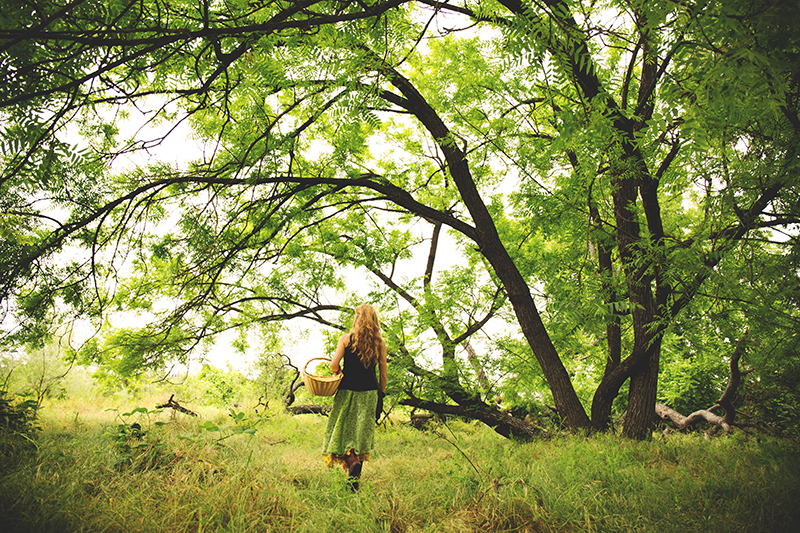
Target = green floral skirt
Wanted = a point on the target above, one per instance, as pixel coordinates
(351, 426)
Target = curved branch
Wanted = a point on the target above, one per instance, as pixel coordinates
(155, 38)
(687, 422)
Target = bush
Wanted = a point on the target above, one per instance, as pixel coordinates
(222, 388)
(17, 415)
(774, 401)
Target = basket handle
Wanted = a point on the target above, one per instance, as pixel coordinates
(317, 359)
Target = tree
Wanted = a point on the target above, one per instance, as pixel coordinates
(665, 134)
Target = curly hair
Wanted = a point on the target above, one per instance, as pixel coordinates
(365, 335)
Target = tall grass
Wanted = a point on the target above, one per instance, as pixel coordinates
(86, 472)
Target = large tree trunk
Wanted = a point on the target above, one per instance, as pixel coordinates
(564, 395)
(603, 243)
(642, 396)
(628, 170)
(492, 248)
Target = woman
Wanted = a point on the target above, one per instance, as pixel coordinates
(350, 434)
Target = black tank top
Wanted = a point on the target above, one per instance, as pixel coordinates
(356, 376)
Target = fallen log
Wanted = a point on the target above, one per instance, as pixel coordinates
(503, 422)
(420, 420)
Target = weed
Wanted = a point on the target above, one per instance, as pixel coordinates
(239, 424)
(135, 445)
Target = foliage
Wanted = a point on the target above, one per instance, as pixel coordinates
(221, 388)
(273, 378)
(774, 398)
(44, 372)
(17, 414)
(693, 377)
(134, 442)
(612, 176)
(240, 424)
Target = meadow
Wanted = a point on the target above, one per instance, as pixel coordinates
(103, 467)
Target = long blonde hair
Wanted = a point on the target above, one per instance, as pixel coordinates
(365, 335)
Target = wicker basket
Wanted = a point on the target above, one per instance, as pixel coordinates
(321, 385)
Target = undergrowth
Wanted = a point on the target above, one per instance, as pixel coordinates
(138, 469)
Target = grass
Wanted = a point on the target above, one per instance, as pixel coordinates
(85, 471)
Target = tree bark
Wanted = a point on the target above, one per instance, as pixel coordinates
(686, 422)
(492, 248)
(642, 395)
(502, 422)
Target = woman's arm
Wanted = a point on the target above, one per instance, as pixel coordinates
(337, 356)
(384, 374)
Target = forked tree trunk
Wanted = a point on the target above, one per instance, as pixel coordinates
(642, 364)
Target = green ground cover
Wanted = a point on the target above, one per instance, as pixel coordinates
(89, 468)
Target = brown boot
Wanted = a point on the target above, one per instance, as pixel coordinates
(354, 467)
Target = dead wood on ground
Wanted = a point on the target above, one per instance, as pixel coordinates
(173, 404)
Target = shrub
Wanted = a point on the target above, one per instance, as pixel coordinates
(17, 414)
(222, 388)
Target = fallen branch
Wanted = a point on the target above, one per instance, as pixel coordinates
(687, 422)
(725, 402)
(175, 405)
(309, 409)
(503, 422)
